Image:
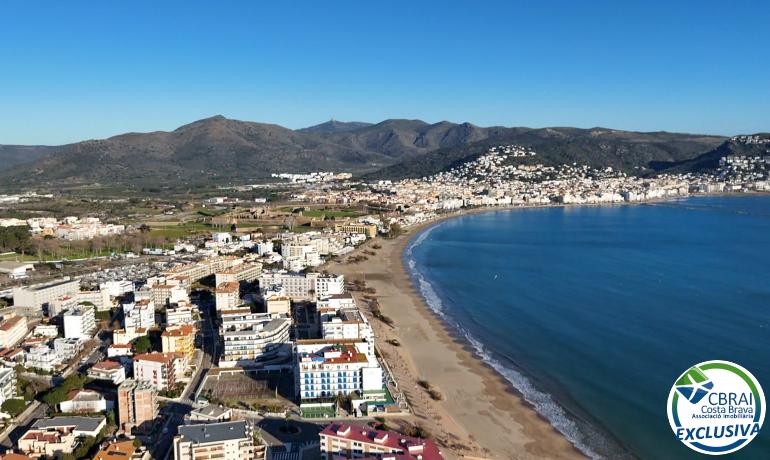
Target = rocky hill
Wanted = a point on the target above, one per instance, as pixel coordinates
(218, 150)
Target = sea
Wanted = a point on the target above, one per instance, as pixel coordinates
(592, 312)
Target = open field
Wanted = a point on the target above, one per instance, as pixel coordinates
(263, 391)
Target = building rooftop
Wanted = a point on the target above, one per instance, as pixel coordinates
(412, 448)
(79, 423)
(11, 323)
(214, 432)
(123, 450)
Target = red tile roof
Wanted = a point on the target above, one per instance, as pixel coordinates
(409, 447)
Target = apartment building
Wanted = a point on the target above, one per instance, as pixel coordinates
(67, 349)
(325, 368)
(117, 288)
(179, 315)
(139, 314)
(137, 405)
(161, 370)
(12, 331)
(228, 295)
(42, 357)
(167, 294)
(100, 299)
(248, 272)
(55, 436)
(79, 322)
(110, 371)
(340, 440)
(179, 339)
(370, 230)
(347, 323)
(223, 441)
(7, 384)
(127, 335)
(300, 286)
(250, 337)
(37, 297)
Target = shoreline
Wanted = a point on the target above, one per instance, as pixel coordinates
(481, 414)
(495, 415)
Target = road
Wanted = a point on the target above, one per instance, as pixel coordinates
(15, 430)
(174, 411)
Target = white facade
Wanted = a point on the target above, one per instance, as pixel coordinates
(250, 337)
(7, 384)
(325, 368)
(140, 314)
(299, 286)
(79, 323)
(42, 357)
(40, 295)
(67, 349)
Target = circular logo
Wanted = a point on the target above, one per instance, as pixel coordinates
(716, 407)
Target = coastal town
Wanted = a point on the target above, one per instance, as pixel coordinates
(259, 335)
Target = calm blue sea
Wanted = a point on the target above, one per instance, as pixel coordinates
(593, 312)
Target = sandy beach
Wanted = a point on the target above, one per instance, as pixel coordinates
(480, 415)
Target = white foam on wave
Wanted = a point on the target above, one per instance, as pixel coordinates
(543, 403)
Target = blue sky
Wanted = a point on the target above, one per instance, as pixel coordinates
(73, 70)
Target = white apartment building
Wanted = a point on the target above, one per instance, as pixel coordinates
(100, 299)
(127, 335)
(347, 323)
(7, 384)
(180, 315)
(228, 296)
(139, 314)
(42, 357)
(248, 272)
(325, 368)
(300, 286)
(50, 331)
(67, 349)
(223, 441)
(251, 337)
(264, 247)
(12, 331)
(297, 256)
(111, 371)
(79, 322)
(161, 370)
(39, 296)
(117, 288)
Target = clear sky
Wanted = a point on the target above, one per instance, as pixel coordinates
(73, 70)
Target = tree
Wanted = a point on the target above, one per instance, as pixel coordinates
(59, 393)
(13, 407)
(142, 344)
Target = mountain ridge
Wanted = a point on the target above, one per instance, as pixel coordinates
(219, 150)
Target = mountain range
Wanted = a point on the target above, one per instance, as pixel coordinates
(219, 150)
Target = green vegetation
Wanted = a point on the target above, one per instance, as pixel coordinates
(417, 431)
(59, 393)
(432, 392)
(28, 389)
(15, 239)
(142, 344)
(13, 407)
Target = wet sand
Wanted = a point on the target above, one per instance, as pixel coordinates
(480, 414)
